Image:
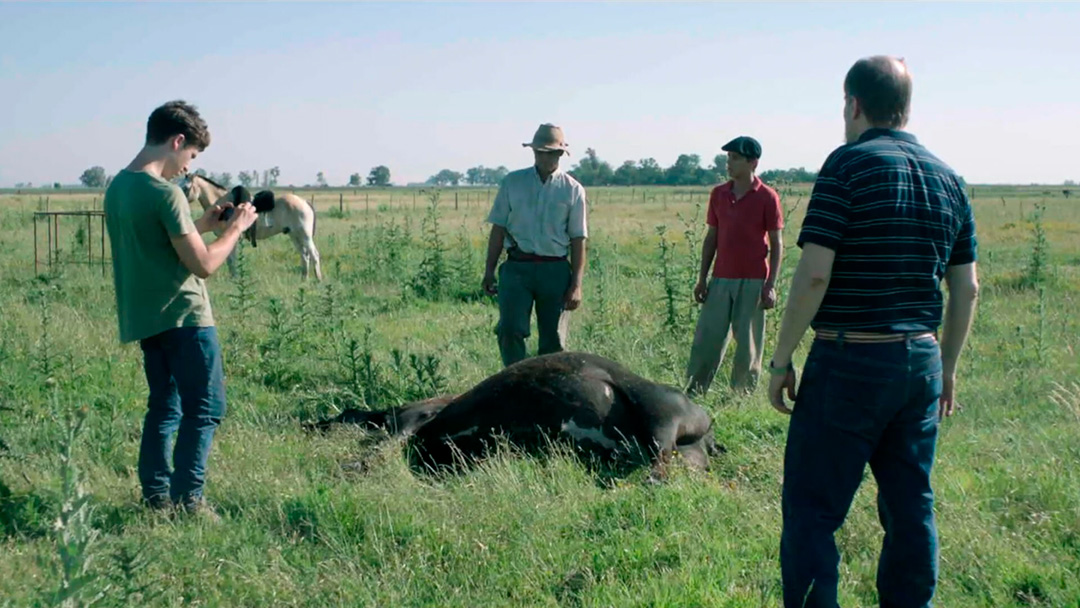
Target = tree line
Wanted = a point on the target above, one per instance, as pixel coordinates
(590, 171)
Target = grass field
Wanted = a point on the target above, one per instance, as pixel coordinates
(338, 520)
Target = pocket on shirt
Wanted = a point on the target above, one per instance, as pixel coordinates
(558, 214)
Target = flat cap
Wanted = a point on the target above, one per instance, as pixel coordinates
(746, 146)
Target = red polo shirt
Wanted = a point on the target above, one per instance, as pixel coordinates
(742, 229)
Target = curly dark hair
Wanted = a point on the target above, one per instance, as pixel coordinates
(177, 118)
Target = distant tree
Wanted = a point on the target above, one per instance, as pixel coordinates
(245, 179)
(202, 172)
(788, 176)
(485, 176)
(591, 171)
(94, 177)
(379, 176)
(446, 177)
(225, 178)
(56, 186)
(686, 171)
(495, 176)
(719, 168)
(269, 177)
(320, 179)
(1070, 182)
(355, 179)
(626, 174)
(649, 172)
(475, 175)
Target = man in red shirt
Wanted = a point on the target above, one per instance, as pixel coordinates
(744, 222)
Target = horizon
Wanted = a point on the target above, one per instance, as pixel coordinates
(342, 88)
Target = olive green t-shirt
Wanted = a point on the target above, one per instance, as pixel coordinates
(154, 290)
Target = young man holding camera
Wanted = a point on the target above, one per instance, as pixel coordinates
(159, 265)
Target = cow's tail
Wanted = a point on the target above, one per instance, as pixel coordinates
(314, 218)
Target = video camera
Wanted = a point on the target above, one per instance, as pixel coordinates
(240, 194)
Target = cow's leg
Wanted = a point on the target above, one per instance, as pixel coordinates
(695, 455)
(313, 255)
(365, 418)
(663, 447)
(301, 248)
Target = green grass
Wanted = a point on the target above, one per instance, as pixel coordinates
(341, 520)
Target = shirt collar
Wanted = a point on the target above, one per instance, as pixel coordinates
(554, 174)
(755, 184)
(875, 132)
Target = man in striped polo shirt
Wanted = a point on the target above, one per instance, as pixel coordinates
(886, 223)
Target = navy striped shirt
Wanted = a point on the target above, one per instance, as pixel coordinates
(896, 216)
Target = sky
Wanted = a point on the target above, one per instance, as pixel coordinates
(419, 87)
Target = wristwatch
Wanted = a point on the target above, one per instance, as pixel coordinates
(780, 371)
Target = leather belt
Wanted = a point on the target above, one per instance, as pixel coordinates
(520, 256)
(859, 337)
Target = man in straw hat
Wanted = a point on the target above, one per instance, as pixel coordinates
(539, 218)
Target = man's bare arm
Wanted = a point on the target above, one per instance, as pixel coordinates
(708, 252)
(776, 255)
(203, 260)
(808, 288)
(963, 286)
(577, 260)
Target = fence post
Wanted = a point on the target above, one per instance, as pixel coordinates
(341, 203)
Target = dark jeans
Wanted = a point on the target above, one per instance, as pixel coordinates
(859, 404)
(187, 393)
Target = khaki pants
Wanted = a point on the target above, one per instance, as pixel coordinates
(521, 284)
(732, 307)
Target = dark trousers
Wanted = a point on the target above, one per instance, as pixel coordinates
(187, 397)
(859, 404)
(521, 285)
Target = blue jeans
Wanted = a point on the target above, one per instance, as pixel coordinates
(859, 404)
(187, 393)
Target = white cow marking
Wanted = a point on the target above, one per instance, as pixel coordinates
(571, 428)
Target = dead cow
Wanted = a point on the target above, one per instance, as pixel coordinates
(593, 401)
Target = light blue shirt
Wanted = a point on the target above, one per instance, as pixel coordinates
(540, 217)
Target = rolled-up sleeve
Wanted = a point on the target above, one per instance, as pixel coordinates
(578, 223)
(500, 209)
(829, 209)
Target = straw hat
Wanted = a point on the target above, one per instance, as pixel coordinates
(548, 138)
